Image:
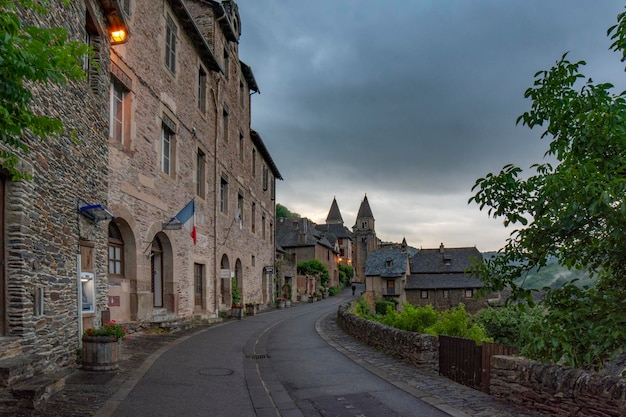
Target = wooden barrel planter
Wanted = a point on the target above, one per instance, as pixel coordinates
(100, 353)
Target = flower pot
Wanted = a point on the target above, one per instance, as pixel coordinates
(100, 353)
(280, 303)
(287, 303)
(250, 309)
(236, 312)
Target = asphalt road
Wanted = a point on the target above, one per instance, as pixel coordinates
(272, 364)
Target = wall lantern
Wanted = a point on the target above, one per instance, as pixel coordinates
(118, 36)
(96, 212)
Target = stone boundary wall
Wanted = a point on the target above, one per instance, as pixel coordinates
(557, 390)
(417, 349)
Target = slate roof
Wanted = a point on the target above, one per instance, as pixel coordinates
(443, 268)
(339, 230)
(450, 260)
(297, 232)
(334, 215)
(388, 263)
(258, 142)
(365, 209)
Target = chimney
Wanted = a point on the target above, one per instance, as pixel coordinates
(441, 248)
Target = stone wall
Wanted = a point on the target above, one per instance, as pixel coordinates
(417, 349)
(557, 390)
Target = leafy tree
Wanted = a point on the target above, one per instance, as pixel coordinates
(346, 273)
(282, 211)
(574, 210)
(315, 268)
(30, 54)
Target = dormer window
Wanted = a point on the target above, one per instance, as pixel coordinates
(388, 263)
(447, 260)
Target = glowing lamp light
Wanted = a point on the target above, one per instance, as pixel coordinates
(118, 36)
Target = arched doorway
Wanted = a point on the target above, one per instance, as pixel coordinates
(239, 277)
(225, 281)
(156, 269)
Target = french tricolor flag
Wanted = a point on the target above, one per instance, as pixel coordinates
(187, 217)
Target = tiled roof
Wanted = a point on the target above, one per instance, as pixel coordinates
(386, 263)
(297, 232)
(364, 209)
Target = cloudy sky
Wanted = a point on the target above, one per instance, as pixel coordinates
(410, 101)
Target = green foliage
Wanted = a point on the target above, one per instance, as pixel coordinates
(33, 55)
(412, 318)
(573, 210)
(334, 291)
(315, 268)
(509, 325)
(346, 273)
(362, 307)
(236, 295)
(456, 322)
(382, 306)
(282, 211)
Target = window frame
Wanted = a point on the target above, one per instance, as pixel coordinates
(171, 34)
(200, 173)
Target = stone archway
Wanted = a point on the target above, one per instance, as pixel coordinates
(225, 281)
(162, 274)
(122, 271)
(239, 277)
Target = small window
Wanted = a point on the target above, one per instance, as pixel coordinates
(253, 260)
(241, 143)
(225, 63)
(170, 44)
(241, 93)
(469, 293)
(364, 225)
(119, 118)
(424, 294)
(240, 209)
(225, 124)
(223, 195)
(200, 174)
(253, 218)
(116, 251)
(253, 162)
(198, 279)
(263, 226)
(202, 96)
(388, 263)
(167, 146)
(265, 177)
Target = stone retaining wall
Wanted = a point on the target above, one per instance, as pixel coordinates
(417, 349)
(557, 390)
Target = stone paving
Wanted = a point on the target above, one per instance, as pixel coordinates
(86, 392)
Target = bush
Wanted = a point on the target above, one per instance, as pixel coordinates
(333, 291)
(363, 306)
(507, 325)
(383, 305)
(457, 323)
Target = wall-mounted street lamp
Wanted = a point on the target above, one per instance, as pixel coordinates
(118, 36)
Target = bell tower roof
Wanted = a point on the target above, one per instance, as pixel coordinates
(365, 211)
(334, 215)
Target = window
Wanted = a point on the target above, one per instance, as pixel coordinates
(240, 146)
(469, 293)
(253, 162)
(116, 251)
(198, 278)
(170, 44)
(240, 209)
(253, 218)
(388, 263)
(225, 63)
(241, 93)
(202, 90)
(118, 118)
(167, 145)
(225, 124)
(91, 64)
(253, 260)
(391, 286)
(263, 226)
(446, 294)
(224, 195)
(265, 177)
(364, 225)
(126, 6)
(424, 294)
(200, 173)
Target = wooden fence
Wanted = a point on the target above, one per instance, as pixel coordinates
(466, 363)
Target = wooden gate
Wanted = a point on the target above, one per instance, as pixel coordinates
(466, 363)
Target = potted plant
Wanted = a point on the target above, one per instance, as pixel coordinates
(101, 346)
(280, 302)
(250, 309)
(236, 308)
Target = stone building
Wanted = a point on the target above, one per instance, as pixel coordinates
(441, 277)
(180, 133)
(336, 232)
(166, 200)
(386, 273)
(50, 224)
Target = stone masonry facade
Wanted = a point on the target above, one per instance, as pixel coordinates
(162, 120)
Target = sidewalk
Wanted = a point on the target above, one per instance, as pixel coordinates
(86, 393)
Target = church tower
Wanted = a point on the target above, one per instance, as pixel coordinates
(365, 240)
(334, 215)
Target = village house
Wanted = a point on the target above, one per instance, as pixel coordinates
(441, 277)
(386, 274)
(50, 223)
(164, 203)
(180, 135)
